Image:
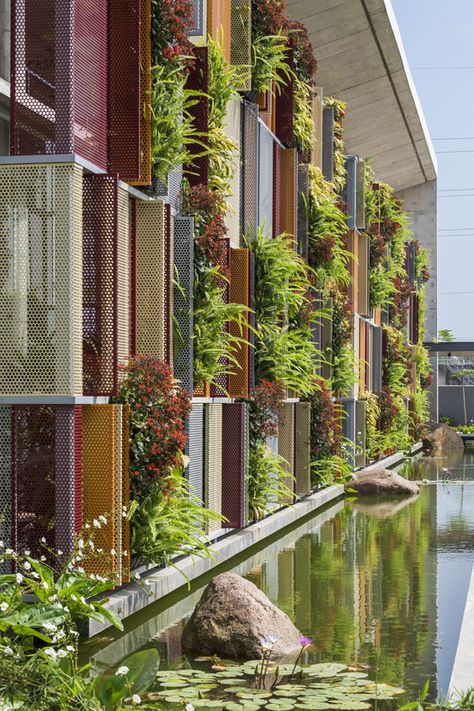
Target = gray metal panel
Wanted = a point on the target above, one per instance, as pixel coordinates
(302, 219)
(350, 191)
(265, 179)
(328, 142)
(196, 28)
(360, 196)
(349, 430)
(249, 193)
(194, 449)
(183, 300)
(377, 360)
(360, 432)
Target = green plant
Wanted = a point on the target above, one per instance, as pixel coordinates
(344, 370)
(446, 335)
(269, 62)
(303, 124)
(170, 520)
(269, 481)
(339, 160)
(330, 470)
(172, 127)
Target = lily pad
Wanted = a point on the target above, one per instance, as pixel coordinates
(355, 675)
(315, 705)
(351, 705)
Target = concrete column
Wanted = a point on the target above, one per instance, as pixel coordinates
(420, 201)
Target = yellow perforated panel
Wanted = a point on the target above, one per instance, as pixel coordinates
(123, 276)
(145, 90)
(41, 279)
(286, 444)
(151, 265)
(213, 461)
(233, 129)
(106, 485)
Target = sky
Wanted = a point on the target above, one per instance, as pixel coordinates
(438, 36)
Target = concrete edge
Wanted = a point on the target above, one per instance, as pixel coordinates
(394, 459)
(132, 598)
(462, 677)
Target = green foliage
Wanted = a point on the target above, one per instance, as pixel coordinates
(268, 481)
(284, 350)
(170, 520)
(269, 62)
(330, 470)
(214, 344)
(303, 124)
(344, 370)
(172, 128)
(327, 228)
(445, 335)
(463, 701)
(339, 160)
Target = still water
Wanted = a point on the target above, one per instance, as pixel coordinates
(381, 583)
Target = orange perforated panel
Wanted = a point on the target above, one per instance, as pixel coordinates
(219, 23)
(288, 190)
(41, 279)
(239, 294)
(106, 485)
(145, 90)
(150, 278)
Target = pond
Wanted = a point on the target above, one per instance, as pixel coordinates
(376, 583)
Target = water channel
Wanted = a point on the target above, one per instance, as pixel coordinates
(381, 583)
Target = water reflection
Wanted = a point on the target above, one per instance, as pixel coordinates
(377, 582)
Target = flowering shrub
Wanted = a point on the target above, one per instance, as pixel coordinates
(209, 223)
(266, 409)
(325, 435)
(306, 64)
(157, 424)
(268, 17)
(169, 23)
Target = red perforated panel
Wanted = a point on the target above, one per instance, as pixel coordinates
(234, 464)
(59, 78)
(198, 171)
(124, 88)
(99, 268)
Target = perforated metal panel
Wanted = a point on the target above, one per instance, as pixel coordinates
(151, 271)
(41, 279)
(241, 39)
(284, 106)
(196, 23)
(124, 229)
(170, 191)
(198, 171)
(144, 177)
(5, 480)
(360, 195)
(286, 443)
(68, 475)
(360, 432)
(169, 277)
(195, 450)
(302, 219)
(213, 461)
(348, 425)
(239, 294)
(302, 448)
(124, 107)
(288, 190)
(328, 142)
(350, 191)
(106, 483)
(276, 189)
(219, 23)
(58, 105)
(250, 201)
(234, 464)
(234, 130)
(265, 178)
(252, 321)
(183, 301)
(363, 274)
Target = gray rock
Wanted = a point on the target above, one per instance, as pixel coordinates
(231, 619)
(443, 438)
(382, 482)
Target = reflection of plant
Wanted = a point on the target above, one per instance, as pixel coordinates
(267, 481)
(170, 520)
(158, 411)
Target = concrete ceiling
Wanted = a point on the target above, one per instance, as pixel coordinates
(362, 61)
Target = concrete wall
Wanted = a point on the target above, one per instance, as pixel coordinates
(451, 403)
(421, 203)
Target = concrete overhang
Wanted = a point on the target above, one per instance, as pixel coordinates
(455, 348)
(362, 61)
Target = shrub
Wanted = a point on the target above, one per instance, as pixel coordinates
(266, 410)
(268, 481)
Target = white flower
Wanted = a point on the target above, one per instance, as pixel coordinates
(26, 552)
(189, 707)
(8, 651)
(45, 585)
(62, 653)
(43, 558)
(43, 540)
(26, 565)
(2, 545)
(96, 523)
(136, 699)
(19, 578)
(80, 543)
(51, 652)
(60, 552)
(87, 525)
(124, 554)
(4, 606)
(91, 544)
(34, 575)
(266, 644)
(74, 598)
(8, 551)
(49, 627)
(102, 519)
(136, 576)
(122, 671)
(113, 551)
(70, 648)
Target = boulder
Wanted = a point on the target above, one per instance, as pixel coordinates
(382, 482)
(231, 619)
(442, 439)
